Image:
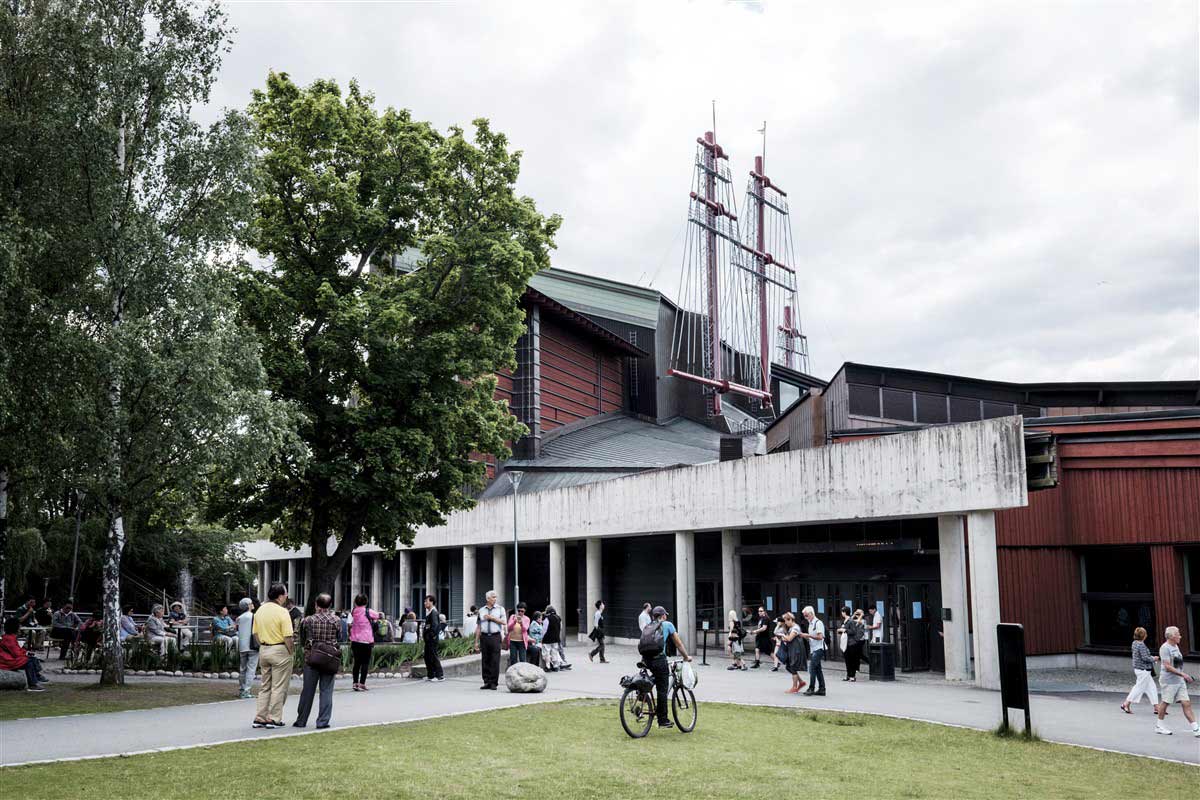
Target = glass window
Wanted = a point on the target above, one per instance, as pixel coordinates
(788, 394)
(1191, 588)
(1118, 595)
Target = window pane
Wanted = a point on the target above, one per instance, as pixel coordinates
(1111, 622)
(1119, 570)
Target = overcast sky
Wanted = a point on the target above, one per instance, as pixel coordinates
(1002, 191)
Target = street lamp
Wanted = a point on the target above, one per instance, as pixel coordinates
(514, 477)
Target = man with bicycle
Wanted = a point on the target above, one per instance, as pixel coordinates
(658, 665)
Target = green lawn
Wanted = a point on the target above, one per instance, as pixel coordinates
(577, 749)
(89, 698)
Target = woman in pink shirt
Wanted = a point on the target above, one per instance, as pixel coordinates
(518, 635)
(362, 640)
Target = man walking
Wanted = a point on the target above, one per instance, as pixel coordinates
(597, 634)
(248, 657)
(322, 626)
(433, 625)
(644, 617)
(277, 640)
(488, 638)
(1174, 682)
(658, 665)
(816, 645)
(764, 642)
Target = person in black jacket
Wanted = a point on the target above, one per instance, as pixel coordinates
(553, 653)
(433, 626)
(597, 634)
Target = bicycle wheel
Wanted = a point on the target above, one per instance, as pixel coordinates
(683, 709)
(637, 712)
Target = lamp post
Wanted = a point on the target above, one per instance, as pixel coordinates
(514, 477)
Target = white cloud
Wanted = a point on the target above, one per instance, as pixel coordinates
(997, 190)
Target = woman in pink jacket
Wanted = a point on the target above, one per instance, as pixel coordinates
(362, 640)
(518, 635)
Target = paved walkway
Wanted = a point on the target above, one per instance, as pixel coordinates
(1085, 718)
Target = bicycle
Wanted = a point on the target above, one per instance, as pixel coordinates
(638, 703)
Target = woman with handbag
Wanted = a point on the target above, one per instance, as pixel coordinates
(793, 655)
(362, 640)
(322, 660)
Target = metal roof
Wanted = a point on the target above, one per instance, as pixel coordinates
(612, 448)
(600, 296)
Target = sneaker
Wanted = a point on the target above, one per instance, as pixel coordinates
(485, 686)
(439, 679)
(245, 696)
(819, 692)
(258, 724)
(1196, 730)
(809, 693)
(35, 689)
(666, 723)
(299, 724)
(731, 667)
(1163, 729)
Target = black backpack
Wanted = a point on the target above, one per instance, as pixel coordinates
(651, 642)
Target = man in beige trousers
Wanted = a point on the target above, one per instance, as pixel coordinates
(276, 641)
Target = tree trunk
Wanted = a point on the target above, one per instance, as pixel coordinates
(326, 567)
(3, 531)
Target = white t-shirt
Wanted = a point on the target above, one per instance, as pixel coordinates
(643, 620)
(470, 623)
(877, 627)
(815, 627)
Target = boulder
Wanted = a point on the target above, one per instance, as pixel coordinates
(12, 679)
(522, 677)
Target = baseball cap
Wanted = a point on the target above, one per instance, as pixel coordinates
(658, 611)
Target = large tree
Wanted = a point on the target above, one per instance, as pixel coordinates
(170, 386)
(392, 370)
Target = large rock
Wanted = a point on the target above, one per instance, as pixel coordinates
(12, 679)
(522, 677)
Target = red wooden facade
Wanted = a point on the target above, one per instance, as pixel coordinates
(580, 376)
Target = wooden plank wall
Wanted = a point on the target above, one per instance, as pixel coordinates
(1039, 587)
(578, 380)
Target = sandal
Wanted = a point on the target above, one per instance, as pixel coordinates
(1125, 708)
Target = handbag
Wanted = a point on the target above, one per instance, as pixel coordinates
(254, 643)
(324, 657)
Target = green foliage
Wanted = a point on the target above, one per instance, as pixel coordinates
(392, 372)
(25, 548)
(390, 657)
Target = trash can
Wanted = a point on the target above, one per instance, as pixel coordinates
(881, 661)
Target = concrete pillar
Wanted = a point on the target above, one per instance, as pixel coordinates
(499, 573)
(731, 575)
(470, 593)
(263, 575)
(431, 573)
(404, 579)
(377, 580)
(558, 575)
(685, 588)
(952, 552)
(985, 597)
(337, 591)
(289, 581)
(355, 576)
(594, 584)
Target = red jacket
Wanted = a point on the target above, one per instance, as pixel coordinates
(12, 655)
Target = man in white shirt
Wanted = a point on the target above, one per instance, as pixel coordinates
(492, 625)
(876, 626)
(816, 654)
(470, 623)
(644, 617)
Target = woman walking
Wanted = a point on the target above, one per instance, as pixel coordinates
(736, 635)
(855, 633)
(793, 650)
(362, 640)
(518, 635)
(1143, 673)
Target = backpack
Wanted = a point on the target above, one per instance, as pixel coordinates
(651, 642)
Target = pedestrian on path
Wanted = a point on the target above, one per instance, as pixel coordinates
(816, 642)
(597, 634)
(793, 647)
(247, 647)
(875, 629)
(362, 640)
(488, 637)
(518, 636)
(277, 642)
(433, 627)
(764, 644)
(643, 618)
(1174, 682)
(321, 626)
(852, 628)
(736, 635)
(552, 651)
(1143, 673)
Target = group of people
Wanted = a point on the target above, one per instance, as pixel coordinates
(537, 639)
(1173, 680)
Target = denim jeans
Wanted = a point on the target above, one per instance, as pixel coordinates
(246, 670)
(516, 652)
(815, 673)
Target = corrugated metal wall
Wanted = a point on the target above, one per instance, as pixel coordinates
(1040, 588)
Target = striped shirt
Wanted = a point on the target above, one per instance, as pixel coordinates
(1141, 657)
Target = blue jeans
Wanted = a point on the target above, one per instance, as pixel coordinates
(246, 669)
(815, 673)
(516, 652)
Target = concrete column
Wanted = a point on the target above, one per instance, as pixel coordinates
(558, 575)
(289, 571)
(500, 573)
(731, 575)
(470, 593)
(404, 579)
(377, 580)
(263, 586)
(594, 584)
(355, 576)
(685, 587)
(952, 551)
(431, 572)
(985, 597)
(337, 591)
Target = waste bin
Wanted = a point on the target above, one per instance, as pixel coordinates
(881, 661)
